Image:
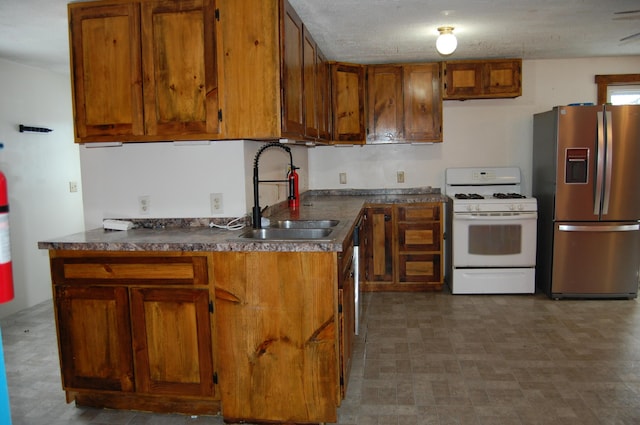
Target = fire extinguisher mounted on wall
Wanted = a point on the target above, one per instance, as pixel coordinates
(6, 274)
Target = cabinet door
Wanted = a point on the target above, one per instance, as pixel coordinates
(385, 104)
(422, 103)
(347, 100)
(292, 73)
(105, 39)
(179, 66)
(378, 245)
(172, 341)
(323, 97)
(94, 338)
(310, 85)
(503, 79)
(463, 79)
(346, 309)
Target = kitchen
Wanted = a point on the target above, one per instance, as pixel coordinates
(555, 82)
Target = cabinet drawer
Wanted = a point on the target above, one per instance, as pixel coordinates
(419, 212)
(127, 270)
(419, 236)
(419, 268)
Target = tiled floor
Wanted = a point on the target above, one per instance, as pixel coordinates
(421, 359)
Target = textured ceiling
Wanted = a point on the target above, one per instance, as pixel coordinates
(34, 32)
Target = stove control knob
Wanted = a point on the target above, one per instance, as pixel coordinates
(477, 207)
(512, 207)
(520, 207)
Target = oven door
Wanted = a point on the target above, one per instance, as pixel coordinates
(497, 239)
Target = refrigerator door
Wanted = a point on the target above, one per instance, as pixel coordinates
(596, 260)
(578, 135)
(621, 197)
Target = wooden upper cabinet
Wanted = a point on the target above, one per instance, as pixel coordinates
(385, 104)
(310, 85)
(404, 103)
(422, 103)
(347, 103)
(293, 120)
(486, 79)
(179, 68)
(323, 97)
(144, 71)
(104, 39)
(268, 62)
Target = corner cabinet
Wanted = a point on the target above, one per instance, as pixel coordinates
(403, 247)
(404, 103)
(485, 79)
(131, 78)
(279, 361)
(275, 81)
(135, 331)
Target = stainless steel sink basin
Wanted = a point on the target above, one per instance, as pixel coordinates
(304, 224)
(278, 234)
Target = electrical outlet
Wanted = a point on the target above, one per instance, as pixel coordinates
(400, 176)
(217, 206)
(73, 187)
(144, 204)
(343, 178)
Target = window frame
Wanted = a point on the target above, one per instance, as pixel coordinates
(603, 81)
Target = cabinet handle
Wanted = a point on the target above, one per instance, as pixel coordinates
(387, 217)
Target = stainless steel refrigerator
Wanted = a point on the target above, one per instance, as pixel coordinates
(586, 177)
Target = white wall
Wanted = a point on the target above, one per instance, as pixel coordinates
(38, 168)
(179, 178)
(476, 132)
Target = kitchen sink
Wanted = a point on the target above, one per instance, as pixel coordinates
(284, 234)
(304, 224)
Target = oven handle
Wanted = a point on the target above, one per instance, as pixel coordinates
(505, 217)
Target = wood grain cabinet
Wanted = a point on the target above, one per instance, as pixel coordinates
(144, 70)
(135, 331)
(347, 103)
(274, 78)
(279, 356)
(403, 247)
(346, 310)
(404, 103)
(485, 79)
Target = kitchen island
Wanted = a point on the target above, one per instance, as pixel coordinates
(175, 316)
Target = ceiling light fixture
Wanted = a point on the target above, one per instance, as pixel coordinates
(446, 43)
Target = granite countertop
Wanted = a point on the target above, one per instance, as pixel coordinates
(196, 234)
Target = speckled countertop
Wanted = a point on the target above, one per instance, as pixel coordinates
(196, 234)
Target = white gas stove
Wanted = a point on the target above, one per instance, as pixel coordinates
(494, 231)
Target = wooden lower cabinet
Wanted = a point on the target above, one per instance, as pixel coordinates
(403, 247)
(135, 331)
(278, 354)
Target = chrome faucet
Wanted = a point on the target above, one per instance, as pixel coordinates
(257, 213)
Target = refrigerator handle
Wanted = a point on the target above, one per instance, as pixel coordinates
(587, 228)
(609, 162)
(600, 157)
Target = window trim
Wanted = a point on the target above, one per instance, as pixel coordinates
(603, 81)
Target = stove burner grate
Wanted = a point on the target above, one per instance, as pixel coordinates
(468, 196)
(508, 196)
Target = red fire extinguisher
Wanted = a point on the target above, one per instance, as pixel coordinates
(6, 275)
(294, 195)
